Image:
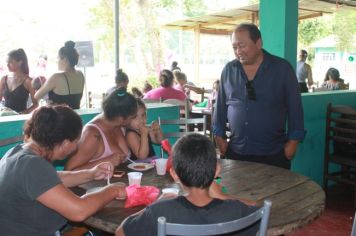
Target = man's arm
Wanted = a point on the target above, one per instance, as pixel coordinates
(310, 75)
(296, 131)
(220, 116)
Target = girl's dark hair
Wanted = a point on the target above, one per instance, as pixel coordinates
(51, 125)
(121, 77)
(20, 55)
(333, 73)
(119, 104)
(69, 52)
(140, 103)
(147, 87)
(166, 78)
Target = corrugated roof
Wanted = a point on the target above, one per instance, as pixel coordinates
(224, 22)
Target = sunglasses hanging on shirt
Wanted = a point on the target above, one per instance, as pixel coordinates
(251, 94)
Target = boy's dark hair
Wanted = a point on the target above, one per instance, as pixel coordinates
(119, 104)
(194, 160)
(255, 33)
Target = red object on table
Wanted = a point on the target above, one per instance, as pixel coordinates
(140, 195)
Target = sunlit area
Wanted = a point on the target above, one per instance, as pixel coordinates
(159, 117)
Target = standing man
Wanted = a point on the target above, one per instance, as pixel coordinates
(258, 96)
(304, 72)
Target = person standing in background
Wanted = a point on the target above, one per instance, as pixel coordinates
(304, 72)
(258, 97)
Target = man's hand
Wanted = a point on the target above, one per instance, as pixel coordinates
(290, 148)
(102, 170)
(222, 144)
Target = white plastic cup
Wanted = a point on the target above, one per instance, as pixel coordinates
(134, 178)
(161, 165)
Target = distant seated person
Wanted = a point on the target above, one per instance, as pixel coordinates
(147, 87)
(121, 81)
(65, 87)
(194, 167)
(136, 92)
(16, 88)
(214, 93)
(139, 137)
(166, 90)
(183, 84)
(39, 76)
(332, 80)
(174, 66)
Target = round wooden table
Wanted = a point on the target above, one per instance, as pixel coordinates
(296, 200)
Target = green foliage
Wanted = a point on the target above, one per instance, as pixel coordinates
(311, 30)
(345, 29)
(153, 80)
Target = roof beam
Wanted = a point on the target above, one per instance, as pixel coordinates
(316, 14)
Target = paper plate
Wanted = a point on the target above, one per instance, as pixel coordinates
(140, 166)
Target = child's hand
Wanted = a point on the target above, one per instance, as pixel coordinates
(155, 128)
(144, 130)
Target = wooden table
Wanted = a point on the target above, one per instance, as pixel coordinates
(296, 200)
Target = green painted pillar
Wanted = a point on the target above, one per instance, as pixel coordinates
(279, 28)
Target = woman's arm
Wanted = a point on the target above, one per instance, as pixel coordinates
(75, 208)
(49, 85)
(30, 89)
(2, 87)
(139, 145)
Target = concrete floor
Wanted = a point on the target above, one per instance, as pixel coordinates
(337, 218)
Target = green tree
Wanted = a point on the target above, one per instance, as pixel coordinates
(311, 30)
(344, 28)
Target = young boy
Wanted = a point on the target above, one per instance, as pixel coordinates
(194, 167)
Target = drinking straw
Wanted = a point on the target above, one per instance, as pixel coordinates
(108, 183)
(159, 123)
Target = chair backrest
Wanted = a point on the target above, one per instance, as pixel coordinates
(149, 100)
(340, 128)
(184, 123)
(262, 214)
(184, 106)
(353, 232)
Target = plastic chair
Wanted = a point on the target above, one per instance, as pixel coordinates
(185, 107)
(183, 124)
(262, 214)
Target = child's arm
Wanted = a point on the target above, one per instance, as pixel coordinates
(139, 145)
(156, 133)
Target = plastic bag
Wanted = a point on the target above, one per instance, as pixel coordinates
(140, 195)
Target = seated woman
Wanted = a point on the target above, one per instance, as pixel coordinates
(17, 88)
(166, 91)
(66, 87)
(332, 80)
(34, 198)
(103, 139)
(139, 137)
(121, 81)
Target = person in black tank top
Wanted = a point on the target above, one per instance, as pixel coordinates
(16, 89)
(72, 88)
(139, 137)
